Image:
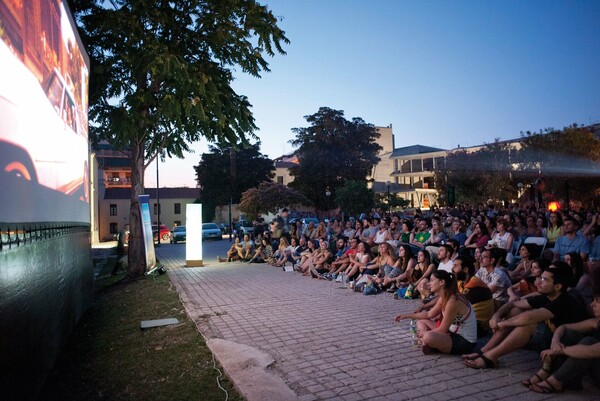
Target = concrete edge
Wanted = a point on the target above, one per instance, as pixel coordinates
(247, 368)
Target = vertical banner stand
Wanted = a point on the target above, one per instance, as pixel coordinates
(193, 241)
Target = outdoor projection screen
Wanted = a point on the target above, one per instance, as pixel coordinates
(44, 148)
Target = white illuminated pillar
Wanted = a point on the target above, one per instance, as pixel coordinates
(193, 235)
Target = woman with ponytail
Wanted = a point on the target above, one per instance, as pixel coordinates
(455, 330)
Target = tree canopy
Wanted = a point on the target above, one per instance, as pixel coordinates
(354, 197)
(331, 151)
(228, 171)
(561, 158)
(270, 197)
(161, 74)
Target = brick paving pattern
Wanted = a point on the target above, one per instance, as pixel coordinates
(331, 343)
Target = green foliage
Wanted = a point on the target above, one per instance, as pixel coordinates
(224, 171)
(477, 176)
(161, 74)
(392, 201)
(270, 197)
(354, 197)
(571, 155)
(331, 151)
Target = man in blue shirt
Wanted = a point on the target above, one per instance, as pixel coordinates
(572, 241)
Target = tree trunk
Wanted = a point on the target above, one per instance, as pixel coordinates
(137, 256)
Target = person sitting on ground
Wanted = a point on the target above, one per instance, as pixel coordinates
(479, 238)
(531, 228)
(348, 230)
(321, 232)
(306, 256)
(280, 256)
(445, 255)
(339, 265)
(289, 254)
(525, 322)
(360, 259)
(456, 332)
(572, 241)
(529, 284)
(494, 277)
(419, 276)
(406, 232)
(523, 269)
(582, 281)
(419, 237)
(405, 263)
(502, 239)
(310, 232)
(573, 352)
(320, 262)
(385, 262)
(382, 236)
(263, 253)
(247, 248)
(341, 248)
(436, 236)
(554, 229)
(475, 290)
(369, 231)
(234, 251)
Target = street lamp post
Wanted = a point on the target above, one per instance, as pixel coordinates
(328, 195)
(157, 202)
(388, 184)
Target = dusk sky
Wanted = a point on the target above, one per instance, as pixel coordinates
(443, 73)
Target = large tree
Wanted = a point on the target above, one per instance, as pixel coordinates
(354, 198)
(478, 176)
(161, 74)
(269, 197)
(227, 171)
(568, 157)
(331, 151)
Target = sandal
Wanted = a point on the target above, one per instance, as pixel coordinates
(548, 388)
(472, 356)
(538, 375)
(487, 363)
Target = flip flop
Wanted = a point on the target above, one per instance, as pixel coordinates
(488, 364)
(547, 389)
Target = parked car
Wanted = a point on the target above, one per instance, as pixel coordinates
(211, 230)
(307, 220)
(244, 227)
(178, 234)
(165, 233)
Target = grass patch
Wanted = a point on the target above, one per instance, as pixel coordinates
(108, 357)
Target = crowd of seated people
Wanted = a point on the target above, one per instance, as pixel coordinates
(518, 278)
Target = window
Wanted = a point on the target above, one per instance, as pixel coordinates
(113, 228)
(156, 208)
(177, 208)
(113, 209)
(280, 179)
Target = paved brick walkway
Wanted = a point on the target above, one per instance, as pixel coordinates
(332, 343)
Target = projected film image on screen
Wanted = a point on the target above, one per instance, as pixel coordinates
(43, 114)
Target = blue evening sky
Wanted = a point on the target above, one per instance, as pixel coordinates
(443, 73)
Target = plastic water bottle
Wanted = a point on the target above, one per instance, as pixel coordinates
(413, 333)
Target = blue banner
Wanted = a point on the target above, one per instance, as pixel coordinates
(144, 201)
